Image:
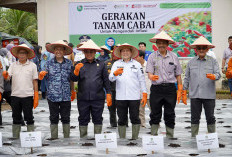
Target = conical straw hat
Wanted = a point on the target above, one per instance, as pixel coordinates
(201, 41)
(51, 47)
(134, 50)
(14, 51)
(105, 48)
(90, 45)
(80, 44)
(162, 35)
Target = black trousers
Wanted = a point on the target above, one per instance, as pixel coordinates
(163, 96)
(122, 110)
(62, 108)
(93, 107)
(112, 109)
(22, 104)
(196, 108)
(7, 96)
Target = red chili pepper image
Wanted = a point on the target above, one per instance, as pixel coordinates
(154, 48)
(182, 54)
(186, 51)
(186, 44)
(189, 31)
(201, 23)
(177, 22)
(208, 28)
(196, 51)
(197, 33)
(169, 49)
(175, 45)
(184, 38)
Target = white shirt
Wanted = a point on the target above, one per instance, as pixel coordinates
(211, 54)
(11, 58)
(3, 63)
(131, 82)
(22, 78)
(79, 56)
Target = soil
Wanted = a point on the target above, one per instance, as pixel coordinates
(174, 145)
(87, 144)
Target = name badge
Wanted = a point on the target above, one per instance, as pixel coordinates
(134, 70)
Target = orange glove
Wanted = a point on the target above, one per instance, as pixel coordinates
(184, 97)
(179, 93)
(229, 74)
(154, 77)
(0, 65)
(0, 96)
(5, 74)
(229, 69)
(108, 99)
(77, 68)
(119, 71)
(211, 76)
(36, 99)
(144, 100)
(42, 74)
(73, 95)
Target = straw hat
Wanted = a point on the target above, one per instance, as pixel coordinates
(90, 45)
(67, 51)
(201, 41)
(80, 44)
(134, 50)
(105, 48)
(14, 51)
(162, 35)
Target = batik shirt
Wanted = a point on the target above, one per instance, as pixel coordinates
(58, 78)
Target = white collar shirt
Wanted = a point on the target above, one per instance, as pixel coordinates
(131, 82)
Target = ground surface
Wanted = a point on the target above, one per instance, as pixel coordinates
(73, 146)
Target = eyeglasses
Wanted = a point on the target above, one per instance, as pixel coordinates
(22, 52)
(91, 52)
(201, 48)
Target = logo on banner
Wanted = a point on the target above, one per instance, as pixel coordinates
(118, 6)
(150, 6)
(79, 8)
(136, 6)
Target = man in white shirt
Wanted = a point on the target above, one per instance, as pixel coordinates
(24, 86)
(130, 81)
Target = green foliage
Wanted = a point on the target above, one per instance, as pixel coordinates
(223, 92)
(19, 23)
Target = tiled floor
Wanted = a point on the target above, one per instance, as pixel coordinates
(73, 146)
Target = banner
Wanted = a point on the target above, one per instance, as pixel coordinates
(111, 23)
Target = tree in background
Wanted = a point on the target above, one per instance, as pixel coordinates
(19, 23)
